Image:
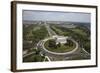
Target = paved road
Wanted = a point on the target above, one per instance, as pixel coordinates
(55, 53)
(85, 54)
(28, 54)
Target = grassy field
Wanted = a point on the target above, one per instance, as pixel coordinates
(79, 31)
(59, 32)
(63, 48)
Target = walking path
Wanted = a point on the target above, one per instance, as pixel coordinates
(50, 31)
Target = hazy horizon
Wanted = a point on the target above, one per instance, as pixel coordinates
(29, 15)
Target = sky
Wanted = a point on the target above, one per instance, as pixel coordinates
(30, 15)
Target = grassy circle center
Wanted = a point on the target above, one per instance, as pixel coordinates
(59, 48)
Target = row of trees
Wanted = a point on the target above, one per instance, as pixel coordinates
(52, 44)
(57, 32)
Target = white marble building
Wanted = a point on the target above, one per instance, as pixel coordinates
(61, 39)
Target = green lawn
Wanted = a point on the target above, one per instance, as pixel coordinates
(58, 31)
(79, 31)
(63, 48)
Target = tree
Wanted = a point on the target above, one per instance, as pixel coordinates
(59, 45)
(52, 44)
(37, 51)
(87, 46)
(35, 59)
(43, 56)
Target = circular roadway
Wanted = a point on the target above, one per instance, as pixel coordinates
(56, 53)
